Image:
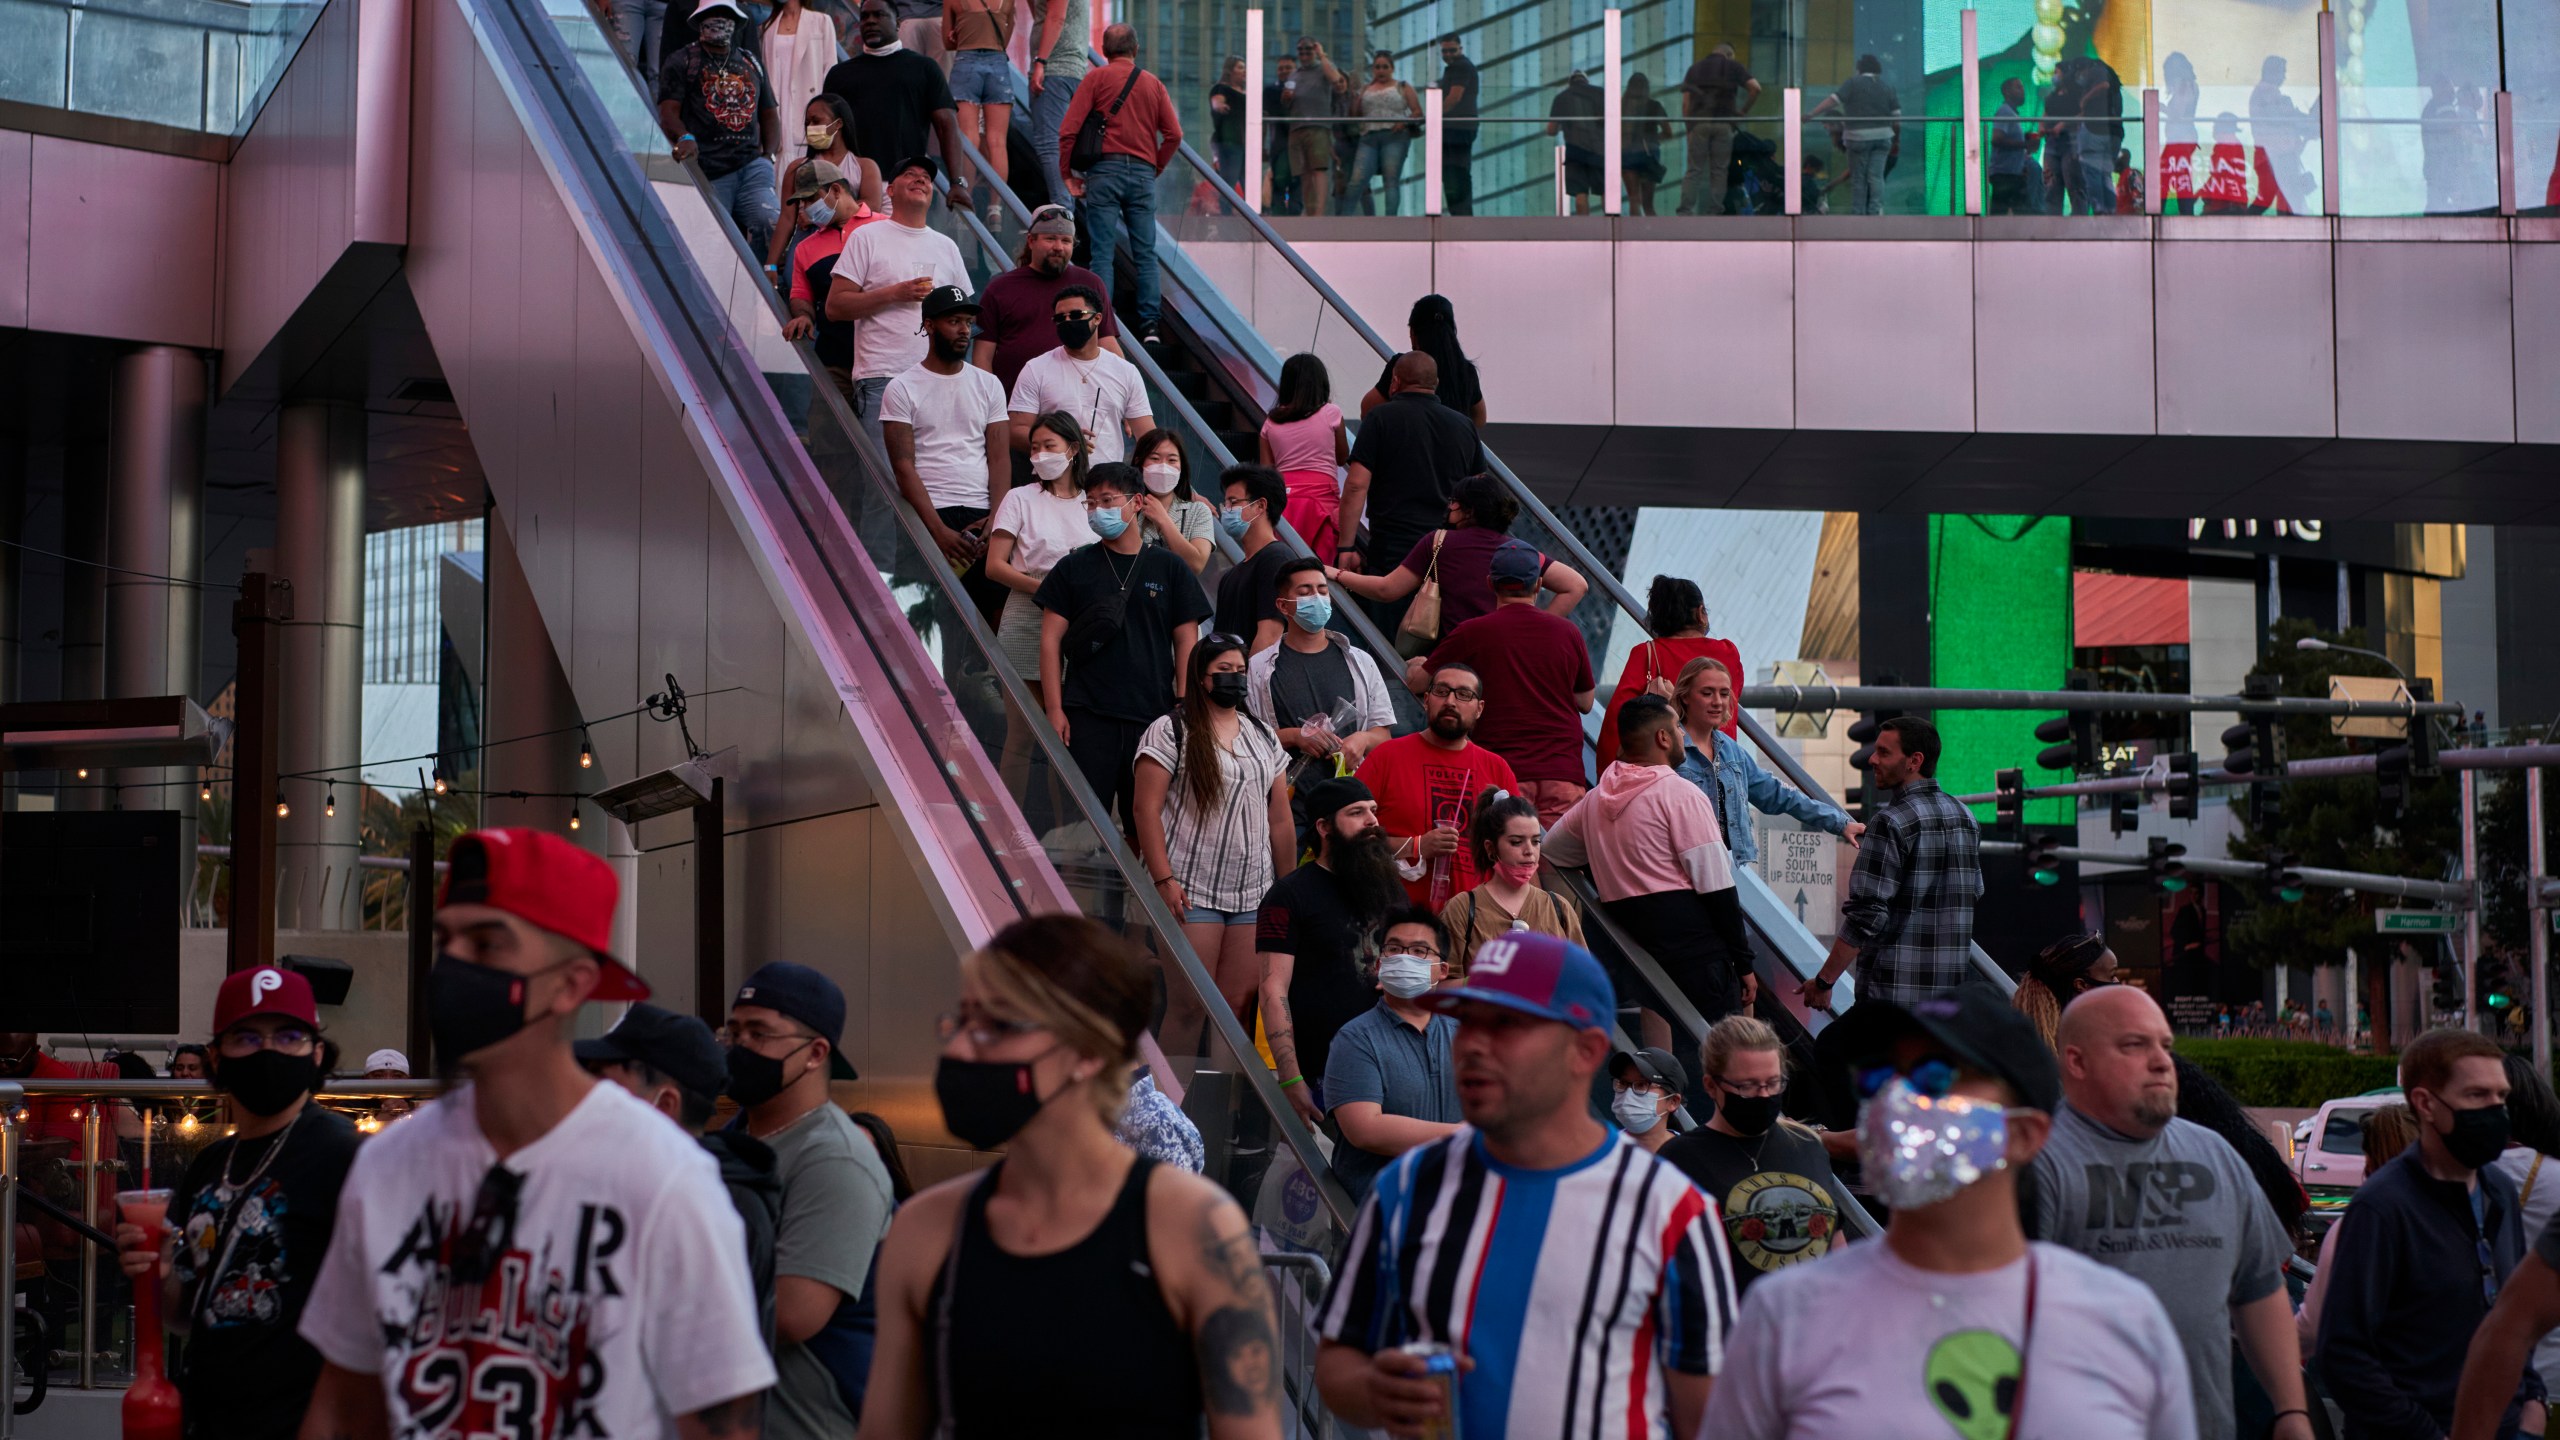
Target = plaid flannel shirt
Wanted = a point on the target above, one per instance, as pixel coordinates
(1911, 897)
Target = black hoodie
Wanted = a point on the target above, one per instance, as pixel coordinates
(747, 1168)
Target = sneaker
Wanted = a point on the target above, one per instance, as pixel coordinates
(1151, 340)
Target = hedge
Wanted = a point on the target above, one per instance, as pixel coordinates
(2289, 1073)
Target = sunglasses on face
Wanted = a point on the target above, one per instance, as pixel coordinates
(1933, 1078)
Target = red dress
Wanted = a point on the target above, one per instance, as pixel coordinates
(1664, 658)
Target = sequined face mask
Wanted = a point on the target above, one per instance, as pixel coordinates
(1916, 1149)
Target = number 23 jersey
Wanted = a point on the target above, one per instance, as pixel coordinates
(617, 1298)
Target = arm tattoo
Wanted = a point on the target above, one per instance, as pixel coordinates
(1238, 1370)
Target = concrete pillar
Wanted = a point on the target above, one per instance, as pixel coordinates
(528, 695)
(155, 526)
(320, 505)
(84, 597)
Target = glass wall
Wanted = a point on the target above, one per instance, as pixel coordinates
(193, 64)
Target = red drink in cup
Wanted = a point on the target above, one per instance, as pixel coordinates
(151, 1406)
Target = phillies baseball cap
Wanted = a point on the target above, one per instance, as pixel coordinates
(263, 990)
(1541, 975)
(548, 883)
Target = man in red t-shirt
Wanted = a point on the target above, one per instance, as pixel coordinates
(1537, 682)
(1427, 784)
(53, 1117)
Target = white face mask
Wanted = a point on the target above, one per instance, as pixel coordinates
(1404, 976)
(1050, 464)
(1161, 478)
(1638, 1111)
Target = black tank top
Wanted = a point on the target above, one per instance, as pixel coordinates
(1075, 1344)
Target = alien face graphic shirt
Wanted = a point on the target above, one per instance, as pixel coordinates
(1863, 1344)
(614, 1299)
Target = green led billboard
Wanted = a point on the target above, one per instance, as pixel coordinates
(1999, 619)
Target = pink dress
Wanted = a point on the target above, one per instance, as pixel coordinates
(1302, 451)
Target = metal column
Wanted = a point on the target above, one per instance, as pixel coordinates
(2471, 1006)
(1971, 151)
(2537, 924)
(1613, 139)
(320, 499)
(84, 596)
(1251, 186)
(155, 527)
(10, 1099)
(13, 507)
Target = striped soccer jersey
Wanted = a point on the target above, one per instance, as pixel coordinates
(1576, 1291)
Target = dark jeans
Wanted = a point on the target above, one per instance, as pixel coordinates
(1457, 169)
(1106, 750)
(1693, 946)
(988, 595)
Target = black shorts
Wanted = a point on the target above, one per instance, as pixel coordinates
(1581, 177)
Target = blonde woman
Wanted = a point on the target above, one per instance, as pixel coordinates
(1768, 1174)
(1171, 1320)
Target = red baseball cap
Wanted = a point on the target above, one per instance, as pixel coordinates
(549, 883)
(263, 990)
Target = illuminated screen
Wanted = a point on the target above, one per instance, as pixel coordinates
(2000, 619)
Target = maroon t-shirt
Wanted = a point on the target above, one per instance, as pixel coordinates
(1015, 309)
(1532, 664)
(1466, 572)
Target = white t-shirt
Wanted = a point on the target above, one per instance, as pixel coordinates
(888, 341)
(1932, 1354)
(621, 1299)
(1103, 394)
(1044, 527)
(950, 414)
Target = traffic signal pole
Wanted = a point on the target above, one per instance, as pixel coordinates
(2326, 767)
(2454, 893)
(2537, 924)
(2475, 1001)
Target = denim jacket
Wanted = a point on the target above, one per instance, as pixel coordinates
(1736, 783)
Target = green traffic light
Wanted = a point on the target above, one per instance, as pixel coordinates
(2500, 1000)
(2046, 875)
(2172, 884)
(2290, 894)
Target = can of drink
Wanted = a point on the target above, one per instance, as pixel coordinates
(1440, 1367)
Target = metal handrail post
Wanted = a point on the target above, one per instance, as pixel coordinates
(11, 1098)
(2537, 923)
(2151, 179)
(2329, 150)
(88, 1167)
(1613, 115)
(2471, 999)
(1792, 108)
(1250, 185)
(1434, 128)
(1972, 150)
(2506, 153)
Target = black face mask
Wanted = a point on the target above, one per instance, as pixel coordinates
(1074, 333)
(755, 1078)
(471, 1007)
(266, 1082)
(2478, 1136)
(987, 1102)
(1750, 1114)
(1227, 689)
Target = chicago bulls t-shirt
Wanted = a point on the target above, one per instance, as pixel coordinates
(615, 1300)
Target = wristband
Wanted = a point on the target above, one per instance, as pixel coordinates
(2305, 1414)
(1293, 1080)
(1161, 879)
(684, 137)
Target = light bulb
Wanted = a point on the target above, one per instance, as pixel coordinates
(586, 756)
(439, 782)
(573, 819)
(331, 809)
(82, 772)
(282, 809)
(205, 793)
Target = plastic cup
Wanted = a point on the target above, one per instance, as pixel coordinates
(146, 1208)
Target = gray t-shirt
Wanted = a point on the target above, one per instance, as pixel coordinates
(1863, 1343)
(835, 1208)
(1070, 58)
(2178, 1212)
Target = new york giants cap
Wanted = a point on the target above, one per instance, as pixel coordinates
(1541, 975)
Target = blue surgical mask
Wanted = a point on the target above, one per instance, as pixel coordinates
(1107, 523)
(820, 213)
(1315, 611)
(1231, 520)
(1404, 976)
(1637, 1111)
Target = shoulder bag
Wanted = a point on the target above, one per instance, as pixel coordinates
(1421, 628)
(1088, 147)
(1089, 632)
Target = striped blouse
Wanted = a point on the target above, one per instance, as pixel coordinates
(1223, 859)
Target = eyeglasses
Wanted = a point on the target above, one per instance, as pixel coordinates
(1933, 1078)
(756, 1037)
(985, 1031)
(1075, 317)
(476, 1250)
(1455, 692)
(286, 1039)
(1419, 952)
(1760, 1089)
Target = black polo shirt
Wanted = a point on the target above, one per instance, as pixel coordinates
(1416, 450)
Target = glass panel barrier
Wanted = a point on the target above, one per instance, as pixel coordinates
(2240, 83)
(191, 64)
(867, 541)
(2417, 123)
(2532, 76)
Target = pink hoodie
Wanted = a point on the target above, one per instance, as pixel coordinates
(1646, 830)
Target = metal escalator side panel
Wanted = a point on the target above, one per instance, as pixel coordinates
(943, 799)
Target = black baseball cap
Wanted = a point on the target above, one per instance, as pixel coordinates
(679, 1047)
(806, 996)
(1651, 1067)
(1974, 1023)
(930, 166)
(945, 299)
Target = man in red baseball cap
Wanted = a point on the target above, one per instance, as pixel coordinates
(535, 1253)
(251, 1221)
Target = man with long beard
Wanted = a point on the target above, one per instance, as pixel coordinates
(1015, 323)
(1308, 938)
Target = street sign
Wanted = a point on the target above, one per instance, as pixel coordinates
(2416, 922)
(1803, 867)
(2369, 687)
(1812, 725)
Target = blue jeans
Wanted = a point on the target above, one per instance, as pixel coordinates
(1048, 112)
(1866, 175)
(636, 27)
(1120, 208)
(866, 407)
(747, 196)
(982, 77)
(1381, 154)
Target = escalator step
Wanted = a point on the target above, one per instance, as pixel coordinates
(1243, 444)
(1216, 414)
(1193, 385)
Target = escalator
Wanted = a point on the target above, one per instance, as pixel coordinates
(956, 745)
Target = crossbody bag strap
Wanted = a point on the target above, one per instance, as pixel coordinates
(1433, 574)
(945, 1426)
(2529, 1177)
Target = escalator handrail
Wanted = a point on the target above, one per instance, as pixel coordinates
(1379, 648)
(1598, 574)
(874, 470)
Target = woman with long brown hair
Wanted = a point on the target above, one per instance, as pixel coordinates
(1213, 823)
(1073, 1288)
(1505, 835)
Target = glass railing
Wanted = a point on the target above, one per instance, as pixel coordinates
(190, 64)
(76, 1144)
(1043, 818)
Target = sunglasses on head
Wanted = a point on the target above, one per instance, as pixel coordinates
(1933, 1078)
(475, 1252)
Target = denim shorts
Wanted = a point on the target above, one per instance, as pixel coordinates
(981, 77)
(1203, 915)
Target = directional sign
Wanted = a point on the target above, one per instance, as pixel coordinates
(1803, 867)
(2416, 922)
